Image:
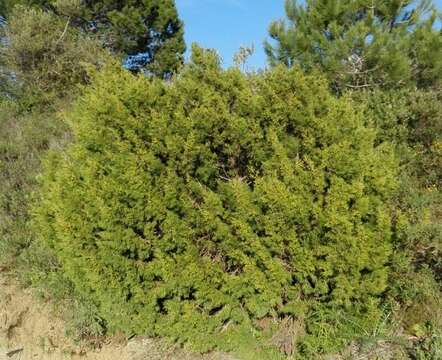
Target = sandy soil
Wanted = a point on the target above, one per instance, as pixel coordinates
(30, 330)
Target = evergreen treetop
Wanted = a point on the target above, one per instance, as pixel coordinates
(361, 43)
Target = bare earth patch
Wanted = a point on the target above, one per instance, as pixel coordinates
(30, 330)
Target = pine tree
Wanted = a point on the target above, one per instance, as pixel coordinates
(149, 32)
(361, 43)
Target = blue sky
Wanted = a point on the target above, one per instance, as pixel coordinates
(227, 24)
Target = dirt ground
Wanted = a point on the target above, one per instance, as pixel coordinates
(30, 330)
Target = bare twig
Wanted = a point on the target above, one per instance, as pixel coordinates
(64, 32)
(14, 352)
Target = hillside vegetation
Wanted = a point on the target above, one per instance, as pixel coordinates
(293, 212)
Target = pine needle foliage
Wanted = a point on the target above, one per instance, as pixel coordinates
(190, 208)
(361, 43)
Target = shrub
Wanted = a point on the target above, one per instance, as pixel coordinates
(189, 209)
(24, 138)
(150, 32)
(410, 120)
(47, 56)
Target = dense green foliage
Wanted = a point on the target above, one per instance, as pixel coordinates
(361, 43)
(219, 199)
(47, 58)
(411, 120)
(6, 83)
(6, 6)
(41, 65)
(388, 49)
(24, 138)
(255, 213)
(127, 27)
(39, 72)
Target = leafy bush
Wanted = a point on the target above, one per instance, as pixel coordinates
(150, 32)
(47, 56)
(24, 138)
(189, 209)
(410, 120)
